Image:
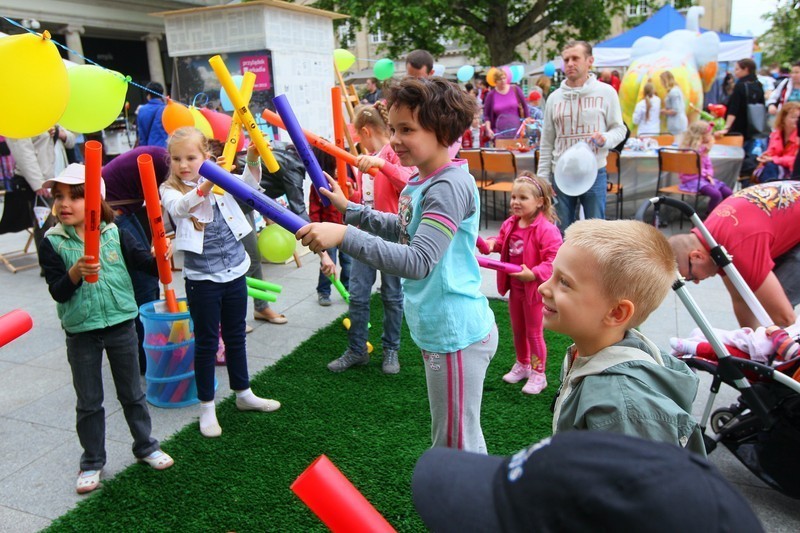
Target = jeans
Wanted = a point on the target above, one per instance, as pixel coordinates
(145, 286)
(324, 284)
(593, 202)
(85, 356)
(362, 278)
(207, 300)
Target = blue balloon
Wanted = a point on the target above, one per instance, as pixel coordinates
(549, 69)
(224, 100)
(465, 73)
(517, 71)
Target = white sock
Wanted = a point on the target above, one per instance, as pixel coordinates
(208, 416)
(683, 346)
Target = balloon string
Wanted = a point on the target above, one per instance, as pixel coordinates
(126, 79)
(194, 100)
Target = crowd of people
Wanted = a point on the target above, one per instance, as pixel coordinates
(415, 220)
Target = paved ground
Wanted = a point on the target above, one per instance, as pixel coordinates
(39, 450)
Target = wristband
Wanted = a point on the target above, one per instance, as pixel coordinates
(199, 192)
(255, 163)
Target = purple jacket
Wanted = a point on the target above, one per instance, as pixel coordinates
(123, 184)
(542, 243)
(689, 182)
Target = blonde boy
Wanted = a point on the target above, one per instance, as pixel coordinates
(607, 278)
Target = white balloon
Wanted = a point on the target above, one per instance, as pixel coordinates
(576, 170)
(438, 69)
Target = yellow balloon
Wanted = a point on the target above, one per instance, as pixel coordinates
(344, 59)
(201, 123)
(33, 85)
(96, 98)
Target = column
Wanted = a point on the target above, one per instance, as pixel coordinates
(73, 37)
(154, 58)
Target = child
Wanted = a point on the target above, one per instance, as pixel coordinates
(700, 137)
(776, 163)
(380, 193)
(435, 233)
(209, 230)
(608, 276)
(319, 213)
(476, 136)
(528, 237)
(95, 317)
(647, 113)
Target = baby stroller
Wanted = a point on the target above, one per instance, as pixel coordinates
(763, 428)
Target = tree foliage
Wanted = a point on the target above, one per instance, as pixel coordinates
(491, 29)
(781, 44)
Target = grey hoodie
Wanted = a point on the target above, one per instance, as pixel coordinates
(572, 114)
(631, 388)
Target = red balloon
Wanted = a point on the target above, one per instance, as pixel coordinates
(220, 123)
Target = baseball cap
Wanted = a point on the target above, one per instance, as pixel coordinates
(578, 481)
(535, 96)
(74, 174)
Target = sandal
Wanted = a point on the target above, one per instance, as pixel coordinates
(158, 460)
(88, 480)
(270, 316)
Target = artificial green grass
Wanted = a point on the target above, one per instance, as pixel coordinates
(372, 426)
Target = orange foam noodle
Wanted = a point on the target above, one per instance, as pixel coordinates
(93, 214)
(147, 174)
(315, 140)
(338, 137)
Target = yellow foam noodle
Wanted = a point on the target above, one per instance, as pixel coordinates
(229, 152)
(180, 329)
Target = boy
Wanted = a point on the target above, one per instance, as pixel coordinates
(607, 278)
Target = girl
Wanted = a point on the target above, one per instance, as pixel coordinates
(380, 193)
(209, 229)
(674, 107)
(432, 241)
(528, 237)
(647, 114)
(777, 161)
(700, 137)
(95, 317)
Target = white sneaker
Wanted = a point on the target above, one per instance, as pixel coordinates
(517, 373)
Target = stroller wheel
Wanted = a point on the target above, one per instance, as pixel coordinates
(720, 418)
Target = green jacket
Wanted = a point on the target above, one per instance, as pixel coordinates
(99, 305)
(631, 388)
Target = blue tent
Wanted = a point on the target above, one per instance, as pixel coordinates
(616, 51)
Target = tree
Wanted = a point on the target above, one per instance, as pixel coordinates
(491, 29)
(781, 43)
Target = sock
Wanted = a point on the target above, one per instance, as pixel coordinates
(683, 346)
(208, 416)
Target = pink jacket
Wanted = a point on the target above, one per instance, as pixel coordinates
(540, 249)
(782, 154)
(390, 181)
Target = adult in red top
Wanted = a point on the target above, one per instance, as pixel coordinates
(758, 226)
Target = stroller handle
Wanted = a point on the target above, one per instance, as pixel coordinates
(683, 207)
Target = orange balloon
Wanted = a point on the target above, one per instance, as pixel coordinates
(490, 76)
(176, 116)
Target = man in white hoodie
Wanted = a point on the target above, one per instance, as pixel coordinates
(582, 109)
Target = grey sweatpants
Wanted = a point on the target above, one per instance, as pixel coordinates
(455, 389)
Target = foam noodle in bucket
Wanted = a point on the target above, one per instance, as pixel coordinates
(315, 140)
(147, 174)
(493, 264)
(243, 112)
(13, 325)
(93, 214)
(335, 501)
(302, 146)
(255, 199)
(263, 285)
(338, 137)
(261, 295)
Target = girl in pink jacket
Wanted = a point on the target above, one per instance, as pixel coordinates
(528, 238)
(777, 161)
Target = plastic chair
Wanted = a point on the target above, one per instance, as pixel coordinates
(508, 144)
(615, 188)
(732, 139)
(678, 161)
(16, 218)
(475, 162)
(499, 162)
(664, 139)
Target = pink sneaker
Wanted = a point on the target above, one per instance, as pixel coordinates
(536, 383)
(517, 373)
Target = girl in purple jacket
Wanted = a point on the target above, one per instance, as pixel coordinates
(700, 137)
(528, 238)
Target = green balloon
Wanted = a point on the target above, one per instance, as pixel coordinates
(96, 97)
(384, 69)
(276, 244)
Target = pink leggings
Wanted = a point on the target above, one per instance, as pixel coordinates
(526, 322)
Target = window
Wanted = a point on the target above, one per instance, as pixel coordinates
(343, 32)
(639, 8)
(377, 38)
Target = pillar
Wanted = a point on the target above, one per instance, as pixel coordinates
(154, 58)
(73, 37)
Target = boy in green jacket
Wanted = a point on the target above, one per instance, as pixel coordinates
(607, 279)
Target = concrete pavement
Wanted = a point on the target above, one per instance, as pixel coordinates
(39, 449)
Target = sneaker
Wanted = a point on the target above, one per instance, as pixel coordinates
(391, 363)
(348, 359)
(517, 373)
(324, 299)
(536, 383)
